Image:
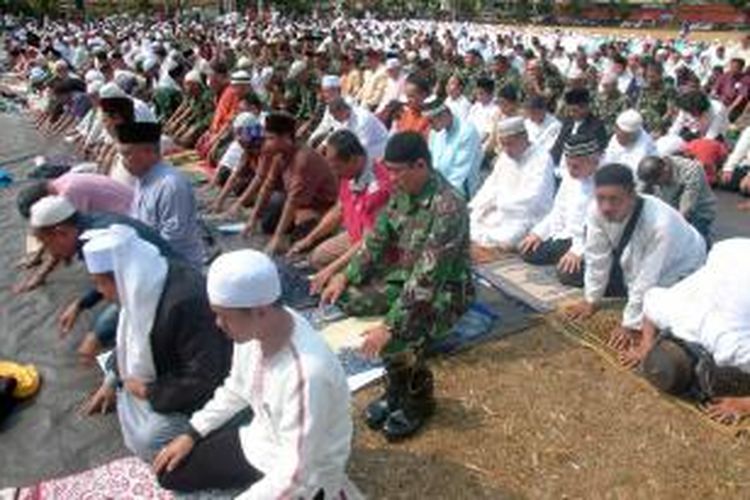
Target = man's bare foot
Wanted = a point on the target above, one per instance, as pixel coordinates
(90, 347)
(728, 410)
(482, 254)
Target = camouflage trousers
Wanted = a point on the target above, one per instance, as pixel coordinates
(426, 323)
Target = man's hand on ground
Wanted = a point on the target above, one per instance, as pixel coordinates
(68, 318)
(580, 310)
(728, 410)
(102, 401)
(621, 339)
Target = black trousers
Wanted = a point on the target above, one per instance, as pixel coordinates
(215, 463)
(737, 176)
(549, 253)
(272, 215)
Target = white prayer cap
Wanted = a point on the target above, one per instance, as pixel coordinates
(94, 87)
(392, 63)
(37, 74)
(110, 90)
(193, 76)
(511, 126)
(629, 121)
(240, 78)
(330, 82)
(50, 211)
(244, 63)
(245, 119)
(297, 68)
(242, 280)
(609, 79)
(97, 253)
(93, 74)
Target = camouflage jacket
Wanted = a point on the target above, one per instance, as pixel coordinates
(655, 105)
(418, 251)
(607, 108)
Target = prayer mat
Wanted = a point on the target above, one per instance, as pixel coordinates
(182, 157)
(535, 286)
(593, 333)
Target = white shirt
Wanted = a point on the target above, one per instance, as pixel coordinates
(718, 318)
(567, 220)
(484, 117)
(663, 249)
(515, 197)
(740, 154)
(300, 435)
(711, 125)
(367, 127)
(459, 107)
(544, 133)
(232, 156)
(632, 154)
(394, 91)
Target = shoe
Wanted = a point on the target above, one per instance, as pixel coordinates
(417, 405)
(7, 401)
(396, 383)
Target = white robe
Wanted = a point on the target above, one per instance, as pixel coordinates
(632, 154)
(300, 436)
(544, 133)
(663, 249)
(718, 318)
(567, 220)
(515, 197)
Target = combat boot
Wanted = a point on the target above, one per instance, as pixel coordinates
(396, 383)
(417, 405)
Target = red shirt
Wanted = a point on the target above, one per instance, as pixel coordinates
(360, 205)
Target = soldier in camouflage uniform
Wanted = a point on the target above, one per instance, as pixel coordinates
(414, 268)
(656, 101)
(609, 103)
(472, 69)
(504, 74)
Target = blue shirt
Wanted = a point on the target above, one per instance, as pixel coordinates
(457, 154)
(165, 201)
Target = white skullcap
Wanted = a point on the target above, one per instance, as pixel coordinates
(37, 74)
(609, 79)
(244, 63)
(94, 87)
(50, 211)
(511, 126)
(240, 78)
(297, 68)
(330, 82)
(193, 76)
(92, 75)
(245, 119)
(629, 121)
(392, 63)
(97, 253)
(110, 90)
(243, 279)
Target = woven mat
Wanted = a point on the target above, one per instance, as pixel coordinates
(594, 334)
(536, 286)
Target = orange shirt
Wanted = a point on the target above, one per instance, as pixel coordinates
(412, 120)
(225, 109)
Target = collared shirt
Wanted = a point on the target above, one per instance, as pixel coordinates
(457, 154)
(689, 191)
(663, 249)
(300, 436)
(567, 220)
(544, 133)
(412, 120)
(515, 197)
(362, 199)
(94, 193)
(164, 200)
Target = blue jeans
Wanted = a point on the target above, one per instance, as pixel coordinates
(105, 325)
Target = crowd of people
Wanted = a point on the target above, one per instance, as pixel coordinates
(391, 156)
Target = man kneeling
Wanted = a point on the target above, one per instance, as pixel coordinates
(298, 441)
(696, 334)
(169, 356)
(414, 268)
